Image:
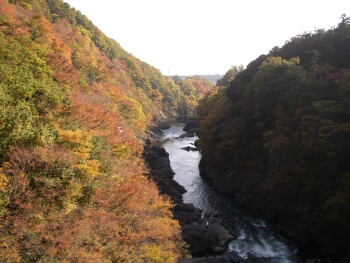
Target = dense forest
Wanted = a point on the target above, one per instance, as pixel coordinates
(74, 110)
(277, 135)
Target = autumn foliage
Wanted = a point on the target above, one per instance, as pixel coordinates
(73, 184)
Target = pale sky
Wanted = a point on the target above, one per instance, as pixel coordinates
(197, 37)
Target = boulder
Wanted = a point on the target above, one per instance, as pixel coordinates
(164, 126)
(191, 125)
(188, 208)
(154, 132)
(197, 143)
(203, 238)
(158, 160)
(187, 214)
(203, 235)
(171, 188)
(207, 214)
(190, 148)
(187, 135)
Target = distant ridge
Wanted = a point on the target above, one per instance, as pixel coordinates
(213, 78)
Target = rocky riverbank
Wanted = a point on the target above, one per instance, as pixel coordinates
(203, 231)
(302, 226)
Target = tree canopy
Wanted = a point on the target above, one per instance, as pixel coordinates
(277, 135)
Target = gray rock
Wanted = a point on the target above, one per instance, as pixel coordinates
(190, 148)
(206, 238)
(187, 135)
(187, 214)
(207, 214)
(164, 126)
(191, 125)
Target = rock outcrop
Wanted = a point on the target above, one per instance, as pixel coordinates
(192, 126)
(204, 235)
(161, 172)
(188, 134)
(190, 148)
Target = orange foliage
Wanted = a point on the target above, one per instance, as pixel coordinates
(41, 30)
(10, 19)
(60, 61)
(6, 10)
(123, 218)
(92, 111)
(84, 197)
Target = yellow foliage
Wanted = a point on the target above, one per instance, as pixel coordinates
(3, 181)
(82, 152)
(69, 207)
(118, 179)
(76, 137)
(8, 252)
(121, 150)
(273, 62)
(155, 254)
(78, 141)
(162, 206)
(295, 60)
(91, 168)
(74, 192)
(27, 6)
(83, 31)
(4, 198)
(134, 113)
(161, 227)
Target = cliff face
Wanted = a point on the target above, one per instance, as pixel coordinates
(277, 137)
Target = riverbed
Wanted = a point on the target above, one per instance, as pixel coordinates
(256, 239)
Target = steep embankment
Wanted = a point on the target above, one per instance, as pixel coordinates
(278, 137)
(73, 107)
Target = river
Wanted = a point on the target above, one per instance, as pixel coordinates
(257, 240)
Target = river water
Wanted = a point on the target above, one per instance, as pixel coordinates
(257, 240)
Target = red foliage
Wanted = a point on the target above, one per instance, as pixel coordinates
(62, 28)
(60, 61)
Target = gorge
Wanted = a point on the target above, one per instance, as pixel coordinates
(80, 180)
(255, 240)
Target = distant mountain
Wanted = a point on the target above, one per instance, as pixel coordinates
(213, 78)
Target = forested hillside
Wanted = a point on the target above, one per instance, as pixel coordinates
(277, 136)
(212, 78)
(74, 107)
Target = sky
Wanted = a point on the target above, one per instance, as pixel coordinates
(198, 37)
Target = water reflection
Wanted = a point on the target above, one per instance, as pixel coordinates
(257, 240)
